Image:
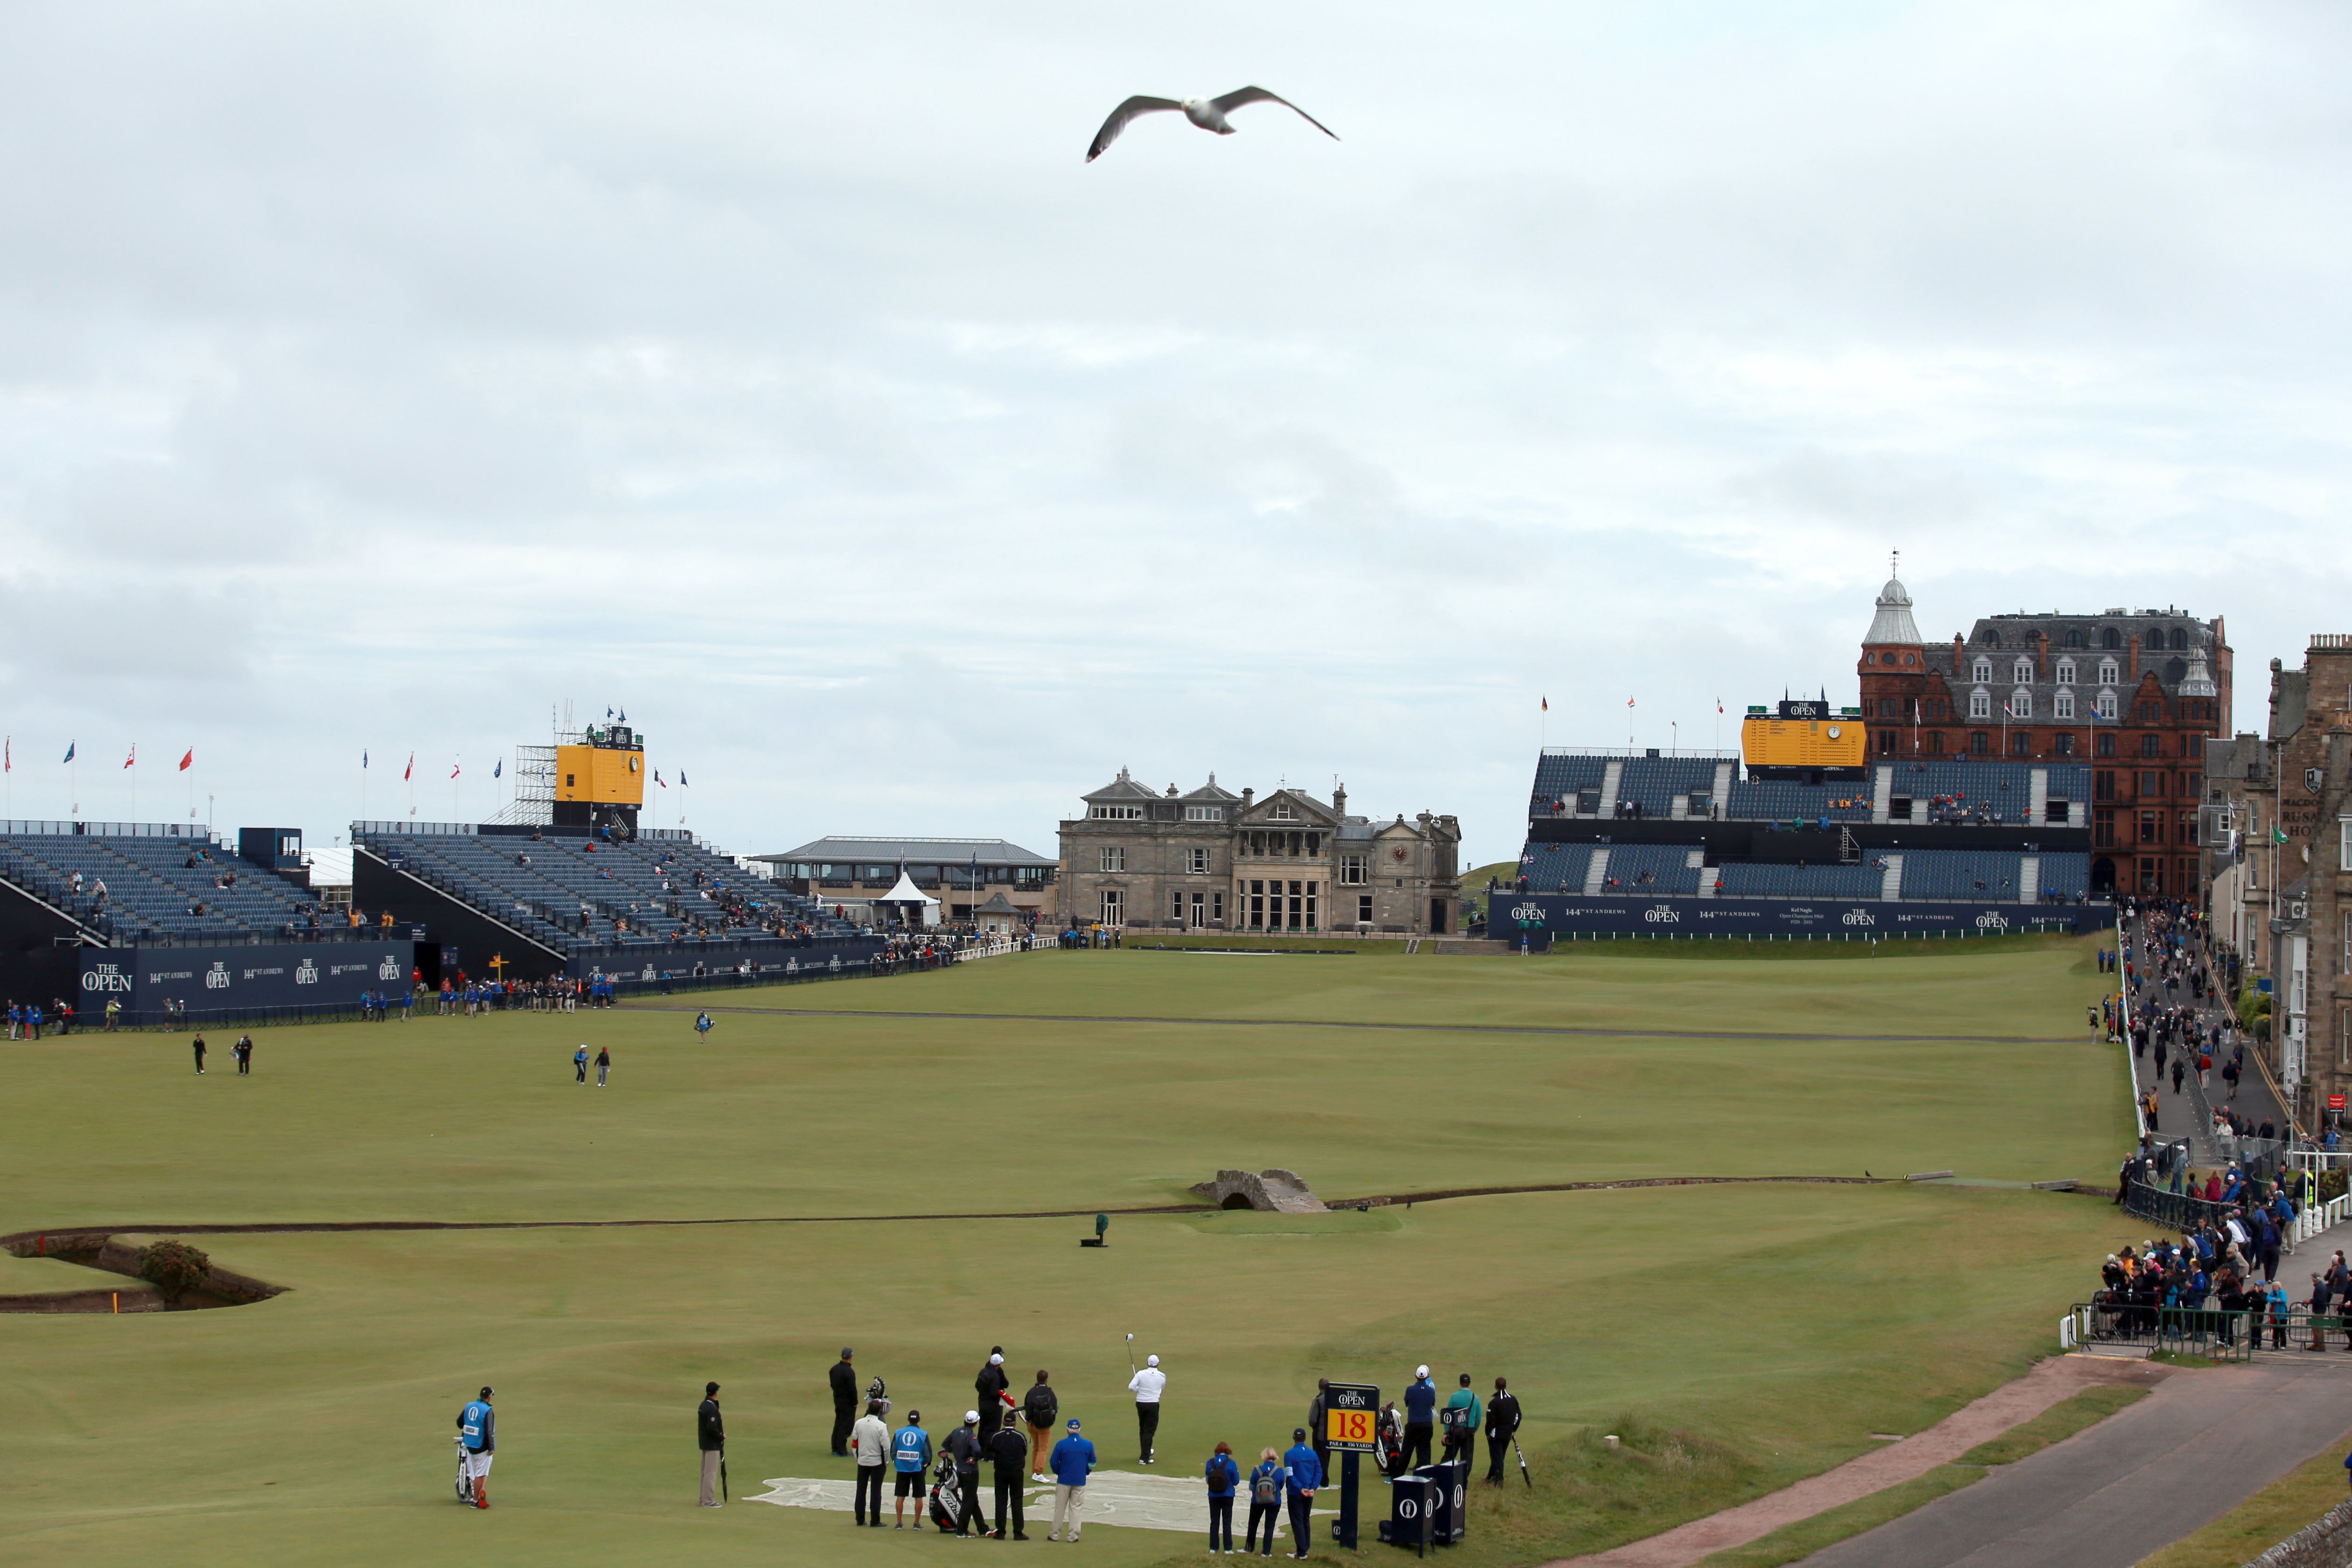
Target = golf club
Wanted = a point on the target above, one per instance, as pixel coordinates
(722, 1476)
(1523, 1462)
(1131, 1356)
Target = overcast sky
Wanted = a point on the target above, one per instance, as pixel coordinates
(377, 379)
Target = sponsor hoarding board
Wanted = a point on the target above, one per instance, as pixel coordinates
(1687, 916)
(199, 981)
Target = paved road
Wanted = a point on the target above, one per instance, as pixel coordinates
(2196, 1448)
(2190, 1111)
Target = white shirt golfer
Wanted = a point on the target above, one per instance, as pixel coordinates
(1146, 1386)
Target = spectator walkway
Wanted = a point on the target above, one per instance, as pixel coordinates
(2189, 1112)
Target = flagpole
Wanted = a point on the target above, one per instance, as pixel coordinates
(132, 767)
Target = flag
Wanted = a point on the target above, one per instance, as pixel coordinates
(498, 769)
(1719, 705)
(188, 761)
(657, 778)
(1547, 704)
(681, 779)
(410, 770)
(133, 760)
(608, 713)
(70, 751)
(2278, 835)
(362, 759)
(453, 767)
(1629, 702)
(8, 754)
(625, 715)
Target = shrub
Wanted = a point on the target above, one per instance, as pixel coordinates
(175, 1269)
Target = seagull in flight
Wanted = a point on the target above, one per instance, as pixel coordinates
(1207, 113)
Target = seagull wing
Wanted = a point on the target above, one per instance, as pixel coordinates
(1240, 96)
(1120, 116)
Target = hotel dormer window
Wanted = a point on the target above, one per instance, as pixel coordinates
(2065, 672)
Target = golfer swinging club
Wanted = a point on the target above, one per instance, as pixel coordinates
(477, 1429)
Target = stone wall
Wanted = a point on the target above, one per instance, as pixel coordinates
(2325, 1543)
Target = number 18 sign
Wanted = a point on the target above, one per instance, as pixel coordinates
(1351, 1413)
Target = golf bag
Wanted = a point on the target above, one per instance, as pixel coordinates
(1388, 1443)
(465, 1476)
(875, 1390)
(946, 1497)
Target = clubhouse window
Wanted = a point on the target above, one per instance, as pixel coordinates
(1115, 813)
(1114, 906)
(1364, 916)
(1114, 858)
(1205, 814)
(1278, 905)
(1353, 872)
(1197, 862)
(1281, 811)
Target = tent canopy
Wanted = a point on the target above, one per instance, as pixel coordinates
(904, 891)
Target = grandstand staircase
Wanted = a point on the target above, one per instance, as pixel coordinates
(1610, 777)
(1697, 862)
(2037, 793)
(1882, 794)
(1891, 889)
(1723, 771)
(1596, 874)
(2029, 870)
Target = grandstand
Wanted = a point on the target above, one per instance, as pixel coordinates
(574, 893)
(161, 881)
(1949, 841)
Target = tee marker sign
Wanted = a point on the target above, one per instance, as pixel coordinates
(1351, 1417)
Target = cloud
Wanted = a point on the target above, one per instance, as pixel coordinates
(379, 376)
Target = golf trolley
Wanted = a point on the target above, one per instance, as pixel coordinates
(465, 1473)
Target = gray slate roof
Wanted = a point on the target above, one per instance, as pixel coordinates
(928, 851)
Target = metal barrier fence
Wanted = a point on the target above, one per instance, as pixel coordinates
(2172, 1210)
(2209, 1331)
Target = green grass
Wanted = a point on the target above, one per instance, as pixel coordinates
(1760, 1332)
(2263, 1520)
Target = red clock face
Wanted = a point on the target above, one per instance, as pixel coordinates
(1396, 854)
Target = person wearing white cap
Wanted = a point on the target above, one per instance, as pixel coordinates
(1147, 1386)
(964, 1449)
(990, 1385)
(1420, 1416)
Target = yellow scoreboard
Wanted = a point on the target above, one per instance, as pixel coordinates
(602, 775)
(1826, 741)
